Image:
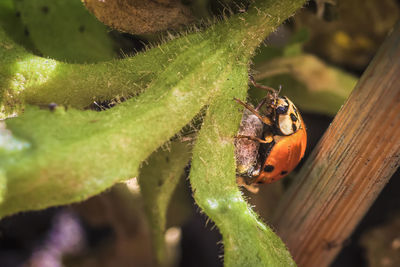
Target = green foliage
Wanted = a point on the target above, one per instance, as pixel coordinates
(327, 101)
(314, 85)
(70, 154)
(294, 47)
(64, 30)
(12, 24)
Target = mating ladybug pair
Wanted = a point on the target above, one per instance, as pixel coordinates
(271, 140)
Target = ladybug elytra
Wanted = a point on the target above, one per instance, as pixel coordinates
(267, 154)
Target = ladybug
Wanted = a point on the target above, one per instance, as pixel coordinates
(281, 145)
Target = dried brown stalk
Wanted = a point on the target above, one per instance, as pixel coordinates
(349, 167)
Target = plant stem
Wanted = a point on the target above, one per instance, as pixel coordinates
(262, 18)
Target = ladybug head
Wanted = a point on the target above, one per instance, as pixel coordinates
(282, 106)
(286, 116)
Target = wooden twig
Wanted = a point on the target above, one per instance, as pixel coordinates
(349, 167)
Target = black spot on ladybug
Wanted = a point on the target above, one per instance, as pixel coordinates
(52, 106)
(81, 28)
(294, 127)
(45, 9)
(269, 168)
(295, 110)
(293, 117)
(26, 31)
(281, 109)
(259, 182)
(18, 14)
(283, 172)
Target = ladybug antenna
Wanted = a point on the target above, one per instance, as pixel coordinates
(274, 95)
(264, 87)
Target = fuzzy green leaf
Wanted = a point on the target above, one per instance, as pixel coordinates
(65, 30)
(12, 24)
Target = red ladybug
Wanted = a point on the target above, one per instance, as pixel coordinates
(282, 144)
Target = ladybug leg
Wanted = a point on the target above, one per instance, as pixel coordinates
(272, 97)
(267, 140)
(262, 103)
(265, 120)
(264, 87)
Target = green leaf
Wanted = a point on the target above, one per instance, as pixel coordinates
(296, 43)
(158, 180)
(10, 20)
(294, 47)
(65, 30)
